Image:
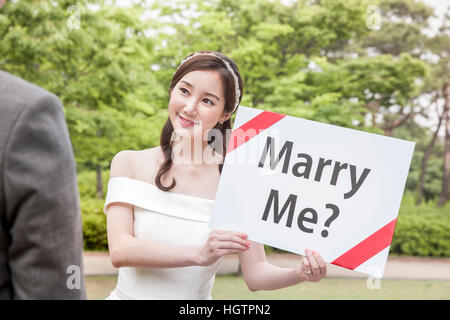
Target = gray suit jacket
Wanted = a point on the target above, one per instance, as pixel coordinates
(41, 241)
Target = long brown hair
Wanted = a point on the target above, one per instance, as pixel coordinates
(202, 62)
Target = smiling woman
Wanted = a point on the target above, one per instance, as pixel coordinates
(205, 91)
(193, 112)
(193, 104)
(159, 239)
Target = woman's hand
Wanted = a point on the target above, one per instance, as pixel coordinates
(221, 243)
(313, 267)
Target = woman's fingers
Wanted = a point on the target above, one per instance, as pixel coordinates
(226, 242)
(314, 265)
(220, 243)
(231, 245)
(307, 269)
(233, 238)
(321, 262)
(229, 236)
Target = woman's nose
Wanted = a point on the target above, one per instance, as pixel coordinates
(191, 106)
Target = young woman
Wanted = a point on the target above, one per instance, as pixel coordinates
(160, 200)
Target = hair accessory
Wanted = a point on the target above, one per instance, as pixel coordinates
(236, 81)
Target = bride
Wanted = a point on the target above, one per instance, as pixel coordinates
(159, 200)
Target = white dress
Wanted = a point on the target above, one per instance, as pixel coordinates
(164, 217)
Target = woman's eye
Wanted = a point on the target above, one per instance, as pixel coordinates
(208, 101)
(185, 91)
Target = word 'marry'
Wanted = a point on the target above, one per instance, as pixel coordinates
(307, 165)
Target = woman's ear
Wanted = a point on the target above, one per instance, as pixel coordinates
(225, 117)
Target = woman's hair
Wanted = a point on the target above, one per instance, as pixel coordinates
(202, 62)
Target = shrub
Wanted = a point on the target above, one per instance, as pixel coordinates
(93, 218)
(94, 224)
(422, 230)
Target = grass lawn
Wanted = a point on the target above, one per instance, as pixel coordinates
(232, 287)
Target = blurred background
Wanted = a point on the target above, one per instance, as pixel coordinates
(377, 66)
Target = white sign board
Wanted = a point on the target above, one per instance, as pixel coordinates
(295, 184)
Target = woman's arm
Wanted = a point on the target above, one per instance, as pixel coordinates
(127, 251)
(124, 248)
(259, 274)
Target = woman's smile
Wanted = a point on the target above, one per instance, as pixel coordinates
(185, 122)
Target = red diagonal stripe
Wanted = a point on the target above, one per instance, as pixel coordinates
(367, 248)
(252, 128)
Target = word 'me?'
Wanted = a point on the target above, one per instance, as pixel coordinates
(307, 165)
(306, 215)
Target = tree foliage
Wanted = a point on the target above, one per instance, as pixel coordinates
(312, 59)
(100, 71)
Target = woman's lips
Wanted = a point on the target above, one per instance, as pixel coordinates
(185, 122)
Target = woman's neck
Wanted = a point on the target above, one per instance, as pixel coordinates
(191, 152)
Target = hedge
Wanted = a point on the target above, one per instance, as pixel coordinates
(93, 218)
(422, 230)
(94, 224)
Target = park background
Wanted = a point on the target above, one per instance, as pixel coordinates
(377, 66)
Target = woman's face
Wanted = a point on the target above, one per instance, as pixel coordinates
(197, 102)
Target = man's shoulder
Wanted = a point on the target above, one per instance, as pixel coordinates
(11, 86)
(21, 99)
(23, 103)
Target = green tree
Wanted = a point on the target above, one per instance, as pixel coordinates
(405, 26)
(97, 61)
(293, 58)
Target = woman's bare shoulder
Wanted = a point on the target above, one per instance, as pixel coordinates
(121, 164)
(129, 163)
(147, 157)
